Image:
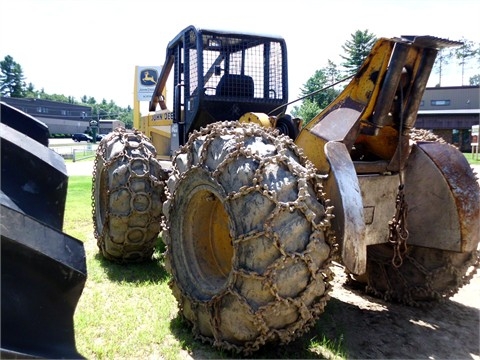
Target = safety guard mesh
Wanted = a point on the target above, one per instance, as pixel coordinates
(249, 68)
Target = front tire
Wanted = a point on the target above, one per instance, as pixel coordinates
(247, 234)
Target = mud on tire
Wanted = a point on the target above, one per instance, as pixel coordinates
(127, 196)
(426, 274)
(247, 234)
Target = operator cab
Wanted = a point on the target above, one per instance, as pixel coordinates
(220, 76)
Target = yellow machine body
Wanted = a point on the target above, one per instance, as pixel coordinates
(361, 142)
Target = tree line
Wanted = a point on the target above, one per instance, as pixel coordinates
(355, 50)
(13, 84)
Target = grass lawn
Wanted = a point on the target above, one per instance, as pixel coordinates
(472, 159)
(124, 311)
(128, 312)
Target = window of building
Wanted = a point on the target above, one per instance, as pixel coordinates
(440, 102)
(42, 109)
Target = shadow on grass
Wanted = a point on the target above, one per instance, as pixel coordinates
(151, 271)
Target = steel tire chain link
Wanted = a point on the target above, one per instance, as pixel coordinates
(398, 231)
(461, 280)
(309, 317)
(101, 153)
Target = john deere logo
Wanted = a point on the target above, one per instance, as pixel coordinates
(148, 77)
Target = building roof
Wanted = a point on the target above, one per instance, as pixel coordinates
(449, 112)
(41, 108)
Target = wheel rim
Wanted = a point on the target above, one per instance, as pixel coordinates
(206, 241)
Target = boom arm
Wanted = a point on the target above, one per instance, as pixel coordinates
(382, 100)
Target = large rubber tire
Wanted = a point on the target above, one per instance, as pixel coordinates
(287, 125)
(247, 236)
(43, 270)
(127, 195)
(425, 274)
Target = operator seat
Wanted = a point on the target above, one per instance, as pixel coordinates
(232, 85)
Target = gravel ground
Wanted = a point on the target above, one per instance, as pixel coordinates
(374, 329)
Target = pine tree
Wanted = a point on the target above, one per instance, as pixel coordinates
(12, 81)
(356, 50)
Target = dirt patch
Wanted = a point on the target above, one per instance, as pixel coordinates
(374, 329)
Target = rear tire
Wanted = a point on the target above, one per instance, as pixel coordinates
(127, 196)
(286, 125)
(43, 270)
(426, 274)
(247, 235)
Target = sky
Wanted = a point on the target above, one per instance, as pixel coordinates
(91, 47)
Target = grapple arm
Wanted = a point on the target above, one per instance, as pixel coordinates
(381, 100)
(365, 131)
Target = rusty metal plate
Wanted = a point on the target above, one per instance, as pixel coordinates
(343, 190)
(443, 198)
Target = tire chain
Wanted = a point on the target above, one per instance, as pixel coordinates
(462, 278)
(123, 134)
(309, 316)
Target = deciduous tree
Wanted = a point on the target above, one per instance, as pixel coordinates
(465, 53)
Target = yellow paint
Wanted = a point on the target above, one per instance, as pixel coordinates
(256, 118)
(313, 147)
(383, 145)
(136, 103)
(362, 91)
(207, 226)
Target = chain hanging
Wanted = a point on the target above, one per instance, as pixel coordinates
(398, 233)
